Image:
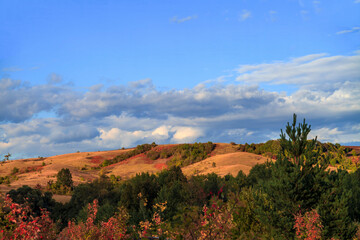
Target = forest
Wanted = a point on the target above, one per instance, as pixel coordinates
(292, 196)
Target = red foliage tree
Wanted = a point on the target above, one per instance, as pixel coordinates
(308, 226)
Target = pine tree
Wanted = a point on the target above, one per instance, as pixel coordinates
(297, 143)
(293, 186)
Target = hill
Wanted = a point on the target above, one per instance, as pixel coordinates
(85, 166)
(198, 158)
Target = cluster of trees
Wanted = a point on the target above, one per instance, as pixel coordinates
(293, 197)
(138, 150)
(183, 154)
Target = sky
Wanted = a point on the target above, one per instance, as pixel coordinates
(98, 75)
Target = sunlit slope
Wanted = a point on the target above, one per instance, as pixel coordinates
(84, 166)
(229, 163)
(41, 170)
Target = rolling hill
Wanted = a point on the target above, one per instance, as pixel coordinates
(84, 166)
(222, 159)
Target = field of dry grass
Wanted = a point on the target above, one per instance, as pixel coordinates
(228, 163)
(224, 159)
(40, 171)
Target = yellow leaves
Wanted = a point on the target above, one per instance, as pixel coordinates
(160, 206)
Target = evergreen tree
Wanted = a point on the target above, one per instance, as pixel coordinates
(297, 143)
(292, 186)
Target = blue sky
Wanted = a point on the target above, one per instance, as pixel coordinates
(94, 75)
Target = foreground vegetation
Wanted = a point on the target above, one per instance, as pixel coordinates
(294, 197)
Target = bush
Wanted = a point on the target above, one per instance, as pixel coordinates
(14, 171)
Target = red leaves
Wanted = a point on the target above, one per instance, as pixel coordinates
(217, 221)
(114, 228)
(308, 226)
(25, 225)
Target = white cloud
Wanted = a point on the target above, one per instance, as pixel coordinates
(357, 1)
(352, 30)
(315, 69)
(116, 138)
(335, 135)
(186, 134)
(245, 15)
(181, 20)
(161, 133)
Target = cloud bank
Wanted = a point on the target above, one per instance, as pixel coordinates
(51, 119)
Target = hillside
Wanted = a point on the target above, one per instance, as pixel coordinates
(84, 166)
(41, 170)
(222, 159)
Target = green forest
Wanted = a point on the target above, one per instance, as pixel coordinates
(295, 196)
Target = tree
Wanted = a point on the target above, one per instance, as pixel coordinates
(64, 178)
(297, 142)
(7, 157)
(301, 186)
